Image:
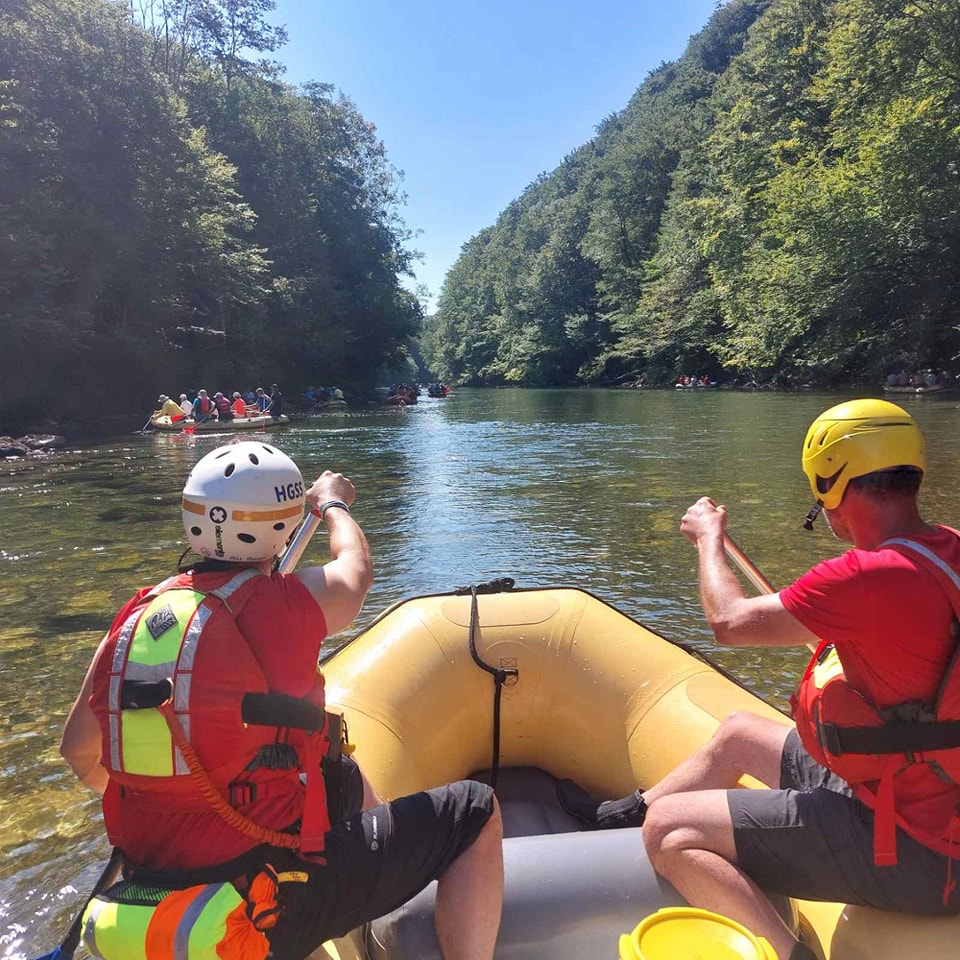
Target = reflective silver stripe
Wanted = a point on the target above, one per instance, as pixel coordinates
(191, 638)
(929, 554)
(181, 939)
(181, 694)
(150, 671)
(123, 640)
(90, 928)
(114, 741)
(179, 762)
(115, 682)
(235, 583)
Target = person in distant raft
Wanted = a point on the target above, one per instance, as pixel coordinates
(168, 407)
(203, 407)
(224, 409)
(201, 720)
(865, 797)
(275, 407)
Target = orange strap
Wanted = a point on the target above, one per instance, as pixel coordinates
(211, 794)
(884, 820)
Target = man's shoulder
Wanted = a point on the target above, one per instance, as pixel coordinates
(285, 589)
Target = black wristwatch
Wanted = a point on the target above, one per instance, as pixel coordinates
(329, 505)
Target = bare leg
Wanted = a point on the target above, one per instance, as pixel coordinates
(689, 840)
(744, 743)
(470, 896)
(371, 798)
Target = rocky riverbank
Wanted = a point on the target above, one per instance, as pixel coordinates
(31, 445)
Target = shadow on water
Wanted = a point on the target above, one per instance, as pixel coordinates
(575, 487)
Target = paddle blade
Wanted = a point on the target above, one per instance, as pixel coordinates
(190, 429)
(58, 954)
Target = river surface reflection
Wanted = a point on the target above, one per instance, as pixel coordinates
(581, 488)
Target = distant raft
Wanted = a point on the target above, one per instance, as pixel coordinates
(265, 422)
(915, 390)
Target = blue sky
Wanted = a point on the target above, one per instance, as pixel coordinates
(474, 100)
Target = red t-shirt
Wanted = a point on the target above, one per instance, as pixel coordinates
(890, 621)
(285, 627)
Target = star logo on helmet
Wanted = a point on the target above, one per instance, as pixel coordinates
(218, 514)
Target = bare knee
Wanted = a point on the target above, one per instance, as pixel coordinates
(661, 833)
(734, 729)
(491, 833)
(493, 829)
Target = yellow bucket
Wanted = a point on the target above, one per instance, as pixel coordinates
(687, 933)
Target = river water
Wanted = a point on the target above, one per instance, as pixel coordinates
(552, 487)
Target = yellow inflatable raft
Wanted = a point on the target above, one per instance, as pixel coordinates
(596, 697)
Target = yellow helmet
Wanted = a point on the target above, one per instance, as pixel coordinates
(855, 438)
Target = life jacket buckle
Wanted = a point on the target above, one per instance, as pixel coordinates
(242, 793)
(830, 738)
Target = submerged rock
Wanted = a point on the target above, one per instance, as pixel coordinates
(43, 441)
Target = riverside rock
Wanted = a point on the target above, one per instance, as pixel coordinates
(12, 448)
(32, 445)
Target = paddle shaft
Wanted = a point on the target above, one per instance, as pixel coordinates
(752, 572)
(298, 544)
(749, 568)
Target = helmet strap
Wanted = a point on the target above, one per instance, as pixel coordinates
(203, 564)
(815, 512)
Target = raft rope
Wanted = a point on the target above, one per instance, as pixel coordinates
(210, 793)
(500, 674)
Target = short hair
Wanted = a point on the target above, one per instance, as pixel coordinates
(898, 482)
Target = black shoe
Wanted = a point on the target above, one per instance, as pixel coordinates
(629, 811)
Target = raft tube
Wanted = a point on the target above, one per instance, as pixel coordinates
(598, 698)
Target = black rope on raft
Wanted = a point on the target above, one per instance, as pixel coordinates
(500, 674)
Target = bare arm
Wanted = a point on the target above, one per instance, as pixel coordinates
(80, 742)
(341, 585)
(736, 619)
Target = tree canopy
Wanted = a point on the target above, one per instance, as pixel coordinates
(781, 202)
(173, 215)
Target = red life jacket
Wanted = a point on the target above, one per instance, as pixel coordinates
(184, 712)
(868, 747)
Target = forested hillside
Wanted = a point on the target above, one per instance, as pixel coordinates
(173, 215)
(781, 203)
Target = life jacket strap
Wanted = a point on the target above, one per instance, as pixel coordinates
(884, 819)
(282, 710)
(892, 737)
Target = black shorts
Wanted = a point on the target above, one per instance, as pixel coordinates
(376, 861)
(814, 840)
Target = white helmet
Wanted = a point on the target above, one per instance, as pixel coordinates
(242, 501)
